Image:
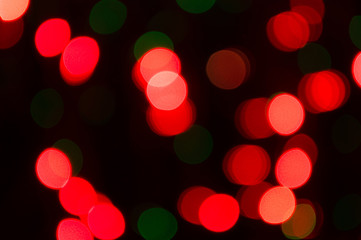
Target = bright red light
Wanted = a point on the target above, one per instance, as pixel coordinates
(53, 168)
(152, 62)
(317, 5)
(246, 164)
(79, 60)
(356, 69)
(10, 33)
(323, 91)
(78, 196)
(285, 114)
(166, 90)
(305, 143)
(173, 122)
(190, 201)
(251, 119)
(72, 229)
(313, 19)
(293, 168)
(219, 212)
(288, 31)
(11, 10)
(106, 221)
(277, 205)
(249, 197)
(52, 36)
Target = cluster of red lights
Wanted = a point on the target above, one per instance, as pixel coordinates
(79, 56)
(96, 215)
(157, 74)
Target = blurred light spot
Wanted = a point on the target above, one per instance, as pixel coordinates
(251, 119)
(105, 221)
(107, 16)
(172, 22)
(277, 205)
(313, 19)
(152, 62)
(234, 6)
(288, 31)
(346, 134)
(356, 69)
(285, 114)
(347, 212)
(157, 223)
(319, 220)
(193, 146)
(313, 58)
(317, 5)
(150, 40)
(11, 10)
(246, 164)
(219, 212)
(293, 168)
(227, 69)
(173, 122)
(10, 33)
(72, 229)
(323, 91)
(47, 108)
(74, 153)
(53, 168)
(166, 90)
(79, 60)
(196, 6)
(52, 36)
(97, 105)
(249, 197)
(190, 201)
(302, 222)
(78, 196)
(305, 143)
(354, 31)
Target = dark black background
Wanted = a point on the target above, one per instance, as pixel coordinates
(128, 162)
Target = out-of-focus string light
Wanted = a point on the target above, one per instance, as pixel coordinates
(313, 58)
(10, 33)
(71, 229)
(196, 6)
(304, 142)
(150, 40)
(11, 10)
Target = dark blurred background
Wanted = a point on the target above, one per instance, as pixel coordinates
(129, 163)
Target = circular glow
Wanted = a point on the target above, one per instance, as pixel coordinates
(154, 61)
(190, 201)
(52, 36)
(72, 150)
(71, 229)
(150, 40)
(53, 168)
(219, 212)
(251, 119)
(302, 222)
(196, 6)
(173, 122)
(10, 33)
(246, 164)
(107, 16)
(11, 10)
(227, 69)
(167, 90)
(317, 5)
(312, 58)
(249, 197)
(105, 221)
(277, 205)
(355, 35)
(293, 168)
(304, 142)
(157, 223)
(323, 91)
(288, 31)
(313, 19)
(356, 69)
(47, 108)
(78, 196)
(285, 114)
(79, 60)
(193, 146)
